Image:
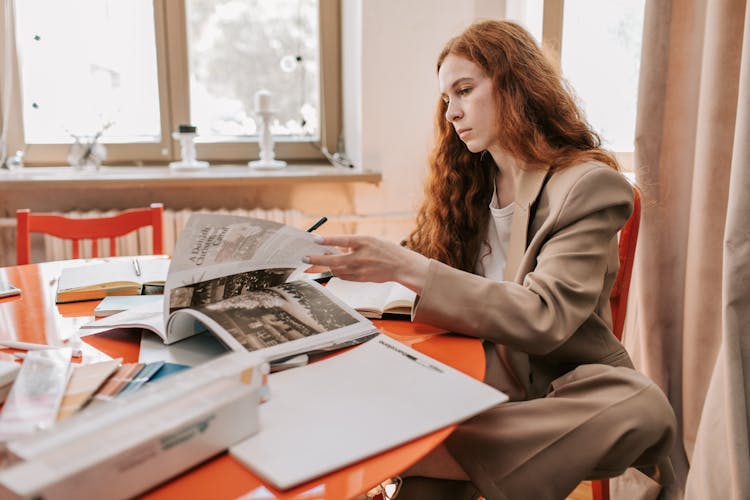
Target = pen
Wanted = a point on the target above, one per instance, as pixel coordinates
(137, 266)
(301, 359)
(29, 346)
(423, 363)
(26, 346)
(317, 224)
(286, 363)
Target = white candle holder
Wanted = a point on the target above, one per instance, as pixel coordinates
(186, 136)
(267, 159)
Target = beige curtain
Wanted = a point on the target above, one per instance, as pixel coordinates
(8, 76)
(4, 96)
(692, 155)
(720, 466)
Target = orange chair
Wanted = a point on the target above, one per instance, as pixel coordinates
(618, 300)
(87, 229)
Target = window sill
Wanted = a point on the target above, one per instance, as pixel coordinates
(213, 176)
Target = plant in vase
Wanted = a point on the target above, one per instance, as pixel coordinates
(87, 152)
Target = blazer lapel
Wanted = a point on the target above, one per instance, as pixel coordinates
(530, 184)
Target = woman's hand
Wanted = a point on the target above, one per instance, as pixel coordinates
(370, 259)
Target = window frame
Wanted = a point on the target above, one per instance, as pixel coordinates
(170, 19)
(552, 33)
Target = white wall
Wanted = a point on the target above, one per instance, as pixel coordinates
(390, 90)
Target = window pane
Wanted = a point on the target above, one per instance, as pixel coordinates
(601, 52)
(240, 47)
(528, 13)
(86, 64)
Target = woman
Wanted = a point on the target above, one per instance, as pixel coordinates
(516, 244)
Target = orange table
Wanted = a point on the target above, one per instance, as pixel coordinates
(34, 317)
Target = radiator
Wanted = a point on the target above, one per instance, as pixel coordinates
(394, 227)
(140, 242)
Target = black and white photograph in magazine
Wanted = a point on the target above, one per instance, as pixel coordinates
(272, 316)
(224, 287)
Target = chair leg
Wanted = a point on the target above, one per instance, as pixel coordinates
(23, 239)
(600, 489)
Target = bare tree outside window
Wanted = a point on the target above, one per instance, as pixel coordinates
(238, 47)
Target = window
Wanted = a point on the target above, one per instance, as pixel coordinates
(598, 47)
(133, 70)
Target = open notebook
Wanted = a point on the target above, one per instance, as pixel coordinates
(117, 277)
(372, 300)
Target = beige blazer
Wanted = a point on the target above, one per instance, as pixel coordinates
(552, 312)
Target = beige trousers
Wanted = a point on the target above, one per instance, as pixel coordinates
(596, 421)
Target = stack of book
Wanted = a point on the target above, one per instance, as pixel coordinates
(141, 438)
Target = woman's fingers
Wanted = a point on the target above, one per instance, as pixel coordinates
(327, 260)
(366, 258)
(343, 241)
(339, 265)
(359, 261)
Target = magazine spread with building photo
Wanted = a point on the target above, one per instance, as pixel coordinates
(243, 280)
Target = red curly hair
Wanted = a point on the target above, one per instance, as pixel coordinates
(540, 123)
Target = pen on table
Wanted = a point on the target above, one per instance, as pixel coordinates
(291, 362)
(423, 363)
(317, 224)
(137, 267)
(29, 346)
(26, 346)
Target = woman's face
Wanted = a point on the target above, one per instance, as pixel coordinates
(468, 92)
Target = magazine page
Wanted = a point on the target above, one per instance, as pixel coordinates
(210, 240)
(149, 316)
(278, 321)
(220, 256)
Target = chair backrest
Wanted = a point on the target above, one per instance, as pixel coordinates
(618, 299)
(77, 229)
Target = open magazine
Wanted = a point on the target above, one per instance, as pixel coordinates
(243, 280)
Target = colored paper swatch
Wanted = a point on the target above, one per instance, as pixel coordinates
(83, 383)
(142, 377)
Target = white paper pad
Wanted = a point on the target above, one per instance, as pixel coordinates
(333, 413)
